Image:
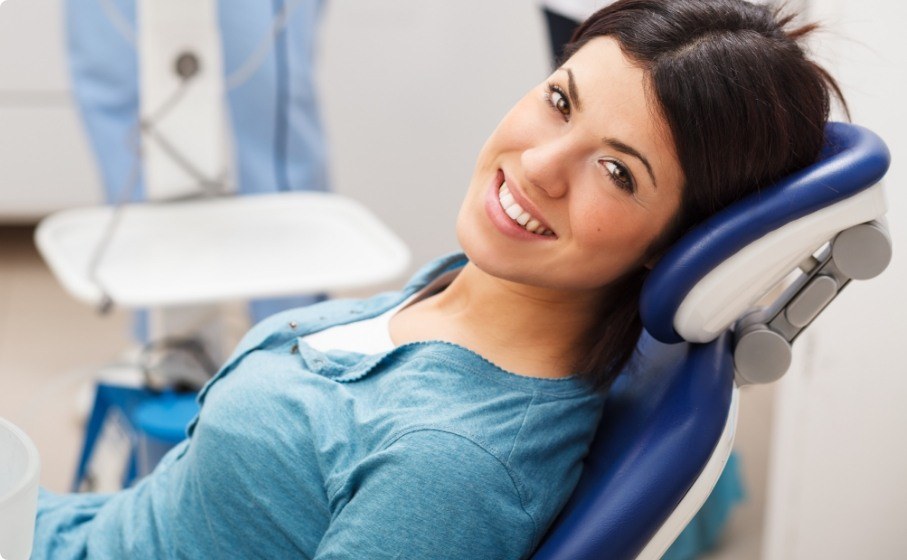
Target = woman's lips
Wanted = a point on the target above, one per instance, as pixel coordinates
(520, 215)
(516, 196)
(501, 220)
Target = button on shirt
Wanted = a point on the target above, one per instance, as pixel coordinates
(427, 450)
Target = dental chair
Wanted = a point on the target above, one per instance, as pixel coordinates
(669, 423)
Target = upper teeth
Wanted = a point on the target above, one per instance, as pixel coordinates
(518, 215)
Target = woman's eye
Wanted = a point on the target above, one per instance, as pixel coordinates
(620, 175)
(558, 100)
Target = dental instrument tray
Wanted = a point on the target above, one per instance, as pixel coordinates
(219, 249)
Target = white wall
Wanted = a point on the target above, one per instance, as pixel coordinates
(411, 89)
(44, 159)
(838, 481)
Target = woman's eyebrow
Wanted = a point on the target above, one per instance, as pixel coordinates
(616, 144)
(571, 88)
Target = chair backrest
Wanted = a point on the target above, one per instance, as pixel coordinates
(658, 428)
(662, 419)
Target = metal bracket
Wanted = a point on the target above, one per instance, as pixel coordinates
(763, 337)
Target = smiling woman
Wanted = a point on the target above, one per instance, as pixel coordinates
(429, 423)
(566, 198)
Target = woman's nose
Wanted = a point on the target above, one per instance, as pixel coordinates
(545, 166)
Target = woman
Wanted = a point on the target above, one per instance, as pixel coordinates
(449, 420)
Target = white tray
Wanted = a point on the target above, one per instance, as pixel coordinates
(212, 250)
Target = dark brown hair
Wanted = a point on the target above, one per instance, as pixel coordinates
(744, 107)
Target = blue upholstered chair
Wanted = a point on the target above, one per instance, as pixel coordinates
(669, 424)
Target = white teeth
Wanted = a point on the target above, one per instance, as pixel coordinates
(517, 214)
(514, 211)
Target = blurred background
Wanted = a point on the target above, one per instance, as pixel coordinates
(409, 90)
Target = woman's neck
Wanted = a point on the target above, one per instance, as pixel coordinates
(535, 331)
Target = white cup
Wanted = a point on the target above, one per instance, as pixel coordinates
(19, 468)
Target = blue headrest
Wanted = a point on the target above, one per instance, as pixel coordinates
(853, 159)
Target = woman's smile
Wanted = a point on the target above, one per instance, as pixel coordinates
(512, 214)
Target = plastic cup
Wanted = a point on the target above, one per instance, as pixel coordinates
(19, 469)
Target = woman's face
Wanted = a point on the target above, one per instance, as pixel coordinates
(589, 166)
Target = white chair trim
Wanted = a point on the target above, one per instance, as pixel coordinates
(735, 285)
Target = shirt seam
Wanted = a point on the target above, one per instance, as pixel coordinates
(516, 438)
(514, 479)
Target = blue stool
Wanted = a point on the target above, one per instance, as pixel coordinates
(160, 423)
(155, 422)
